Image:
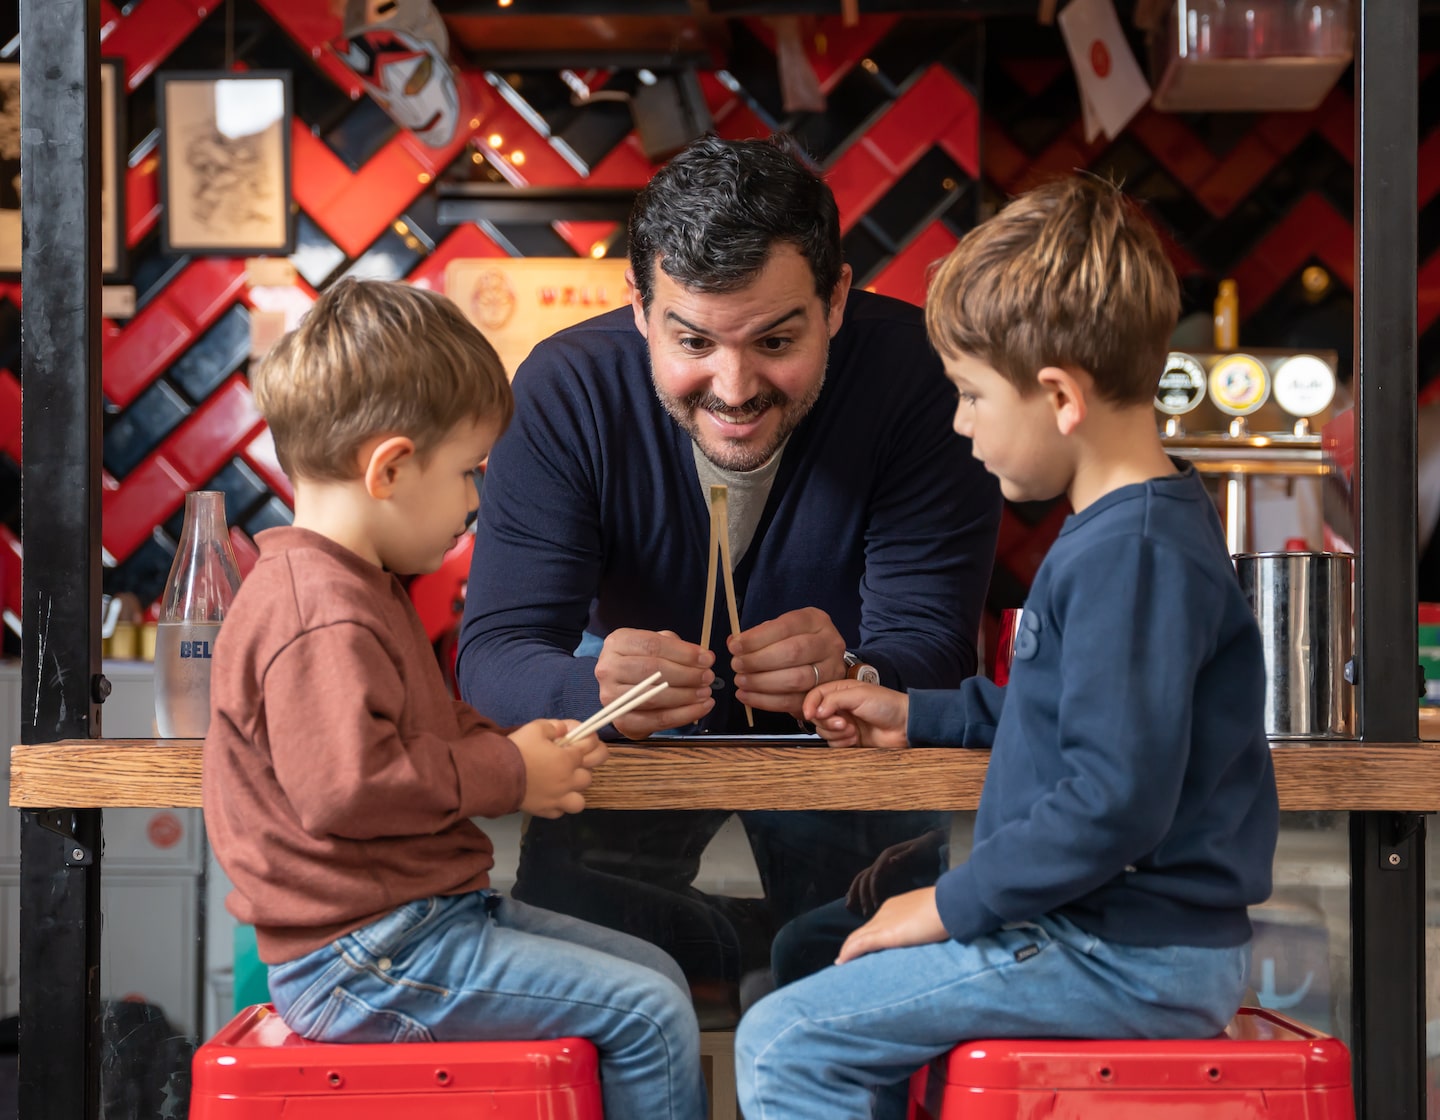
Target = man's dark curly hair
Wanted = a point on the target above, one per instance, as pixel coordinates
(712, 214)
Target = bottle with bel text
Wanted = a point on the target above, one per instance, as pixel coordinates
(202, 584)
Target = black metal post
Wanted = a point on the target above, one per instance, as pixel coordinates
(60, 520)
(1387, 850)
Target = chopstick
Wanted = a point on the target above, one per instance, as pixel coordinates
(633, 697)
(720, 557)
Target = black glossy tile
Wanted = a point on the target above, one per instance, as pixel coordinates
(360, 133)
(753, 65)
(243, 489)
(219, 352)
(390, 257)
(10, 493)
(9, 337)
(143, 573)
(315, 257)
(270, 515)
(528, 239)
(151, 269)
(866, 251)
(923, 192)
(139, 429)
(854, 102)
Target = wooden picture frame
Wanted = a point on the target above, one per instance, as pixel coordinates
(114, 156)
(225, 163)
(114, 162)
(10, 169)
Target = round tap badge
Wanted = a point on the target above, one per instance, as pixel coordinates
(1304, 385)
(1182, 385)
(1238, 384)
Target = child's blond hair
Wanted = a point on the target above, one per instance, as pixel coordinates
(1070, 274)
(371, 358)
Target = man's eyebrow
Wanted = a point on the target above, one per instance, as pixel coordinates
(766, 329)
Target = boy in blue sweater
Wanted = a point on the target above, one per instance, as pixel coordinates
(1129, 814)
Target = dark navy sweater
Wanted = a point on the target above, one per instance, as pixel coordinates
(592, 518)
(1130, 786)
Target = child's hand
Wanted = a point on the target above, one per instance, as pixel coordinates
(555, 775)
(849, 714)
(907, 919)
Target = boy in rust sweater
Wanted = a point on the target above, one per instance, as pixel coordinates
(340, 776)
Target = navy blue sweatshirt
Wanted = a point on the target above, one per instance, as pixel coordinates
(1130, 786)
(593, 519)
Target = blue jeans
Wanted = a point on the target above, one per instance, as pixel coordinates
(481, 966)
(839, 1044)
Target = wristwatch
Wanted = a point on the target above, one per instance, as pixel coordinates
(858, 670)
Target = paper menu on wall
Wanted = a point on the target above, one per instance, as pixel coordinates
(1112, 87)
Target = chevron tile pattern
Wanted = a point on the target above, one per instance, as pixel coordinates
(929, 124)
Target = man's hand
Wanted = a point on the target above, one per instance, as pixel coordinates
(778, 662)
(850, 714)
(907, 919)
(629, 656)
(556, 775)
(916, 860)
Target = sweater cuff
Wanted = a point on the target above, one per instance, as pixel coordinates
(491, 772)
(936, 717)
(957, 897)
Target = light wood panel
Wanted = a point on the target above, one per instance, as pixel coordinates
(734, 775)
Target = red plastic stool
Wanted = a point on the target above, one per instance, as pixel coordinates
(1263, 1066)
(257, 1068)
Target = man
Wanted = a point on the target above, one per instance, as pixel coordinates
(862, 533)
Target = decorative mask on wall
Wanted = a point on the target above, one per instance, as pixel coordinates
(400, 49)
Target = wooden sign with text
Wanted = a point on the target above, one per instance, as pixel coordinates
(518, 301)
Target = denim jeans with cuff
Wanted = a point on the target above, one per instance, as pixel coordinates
(480, 967)
(839, 1045)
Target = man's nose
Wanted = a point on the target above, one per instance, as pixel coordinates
(732, 380)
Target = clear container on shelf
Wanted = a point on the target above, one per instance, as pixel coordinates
(202, 584)
(1250, 55)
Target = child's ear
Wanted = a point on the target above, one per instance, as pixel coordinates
(381, 463)
(1067, 396)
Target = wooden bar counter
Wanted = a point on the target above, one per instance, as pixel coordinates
(734, 774)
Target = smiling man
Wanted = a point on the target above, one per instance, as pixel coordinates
(862, 530)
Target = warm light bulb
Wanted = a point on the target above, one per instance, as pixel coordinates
(598, 250)
(505, 3)
(517, 157)
(495, 140)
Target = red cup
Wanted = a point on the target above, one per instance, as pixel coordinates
(1005, 643)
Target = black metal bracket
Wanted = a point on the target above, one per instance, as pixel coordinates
(1397, 831)
(63, 823)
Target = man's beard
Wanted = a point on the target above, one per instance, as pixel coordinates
(736, 455)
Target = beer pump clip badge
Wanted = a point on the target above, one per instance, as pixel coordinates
(1182, 385)
(1239, 384)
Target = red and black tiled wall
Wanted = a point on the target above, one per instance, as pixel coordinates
(904, 142)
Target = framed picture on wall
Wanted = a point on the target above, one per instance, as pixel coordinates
(10, 168)
(114, 158)
(113, 154)
(225, 163)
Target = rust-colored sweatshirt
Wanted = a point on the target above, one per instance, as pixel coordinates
(340, 776)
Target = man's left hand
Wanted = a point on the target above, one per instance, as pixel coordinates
(907, 919)
(778, 662)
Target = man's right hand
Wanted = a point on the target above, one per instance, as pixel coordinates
(556, 776)
(629, 656)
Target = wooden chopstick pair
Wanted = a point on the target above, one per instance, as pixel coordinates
(720, 557)
(633, 697)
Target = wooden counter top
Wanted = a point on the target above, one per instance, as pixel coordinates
(1352, 776)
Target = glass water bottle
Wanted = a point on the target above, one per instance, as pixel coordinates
(202, 584)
